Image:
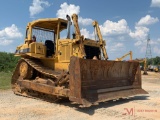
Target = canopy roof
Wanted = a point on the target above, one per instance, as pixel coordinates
(49, 23)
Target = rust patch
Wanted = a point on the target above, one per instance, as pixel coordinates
(101, 80)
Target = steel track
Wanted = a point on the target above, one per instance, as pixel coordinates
(38, 66)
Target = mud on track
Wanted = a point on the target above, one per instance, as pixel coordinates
(146, 107)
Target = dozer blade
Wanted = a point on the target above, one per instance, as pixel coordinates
(94, 81)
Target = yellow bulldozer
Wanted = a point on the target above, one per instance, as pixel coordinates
(54, 67)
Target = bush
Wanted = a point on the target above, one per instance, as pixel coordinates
(8, 61)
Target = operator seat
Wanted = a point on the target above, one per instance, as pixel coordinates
(50, 47)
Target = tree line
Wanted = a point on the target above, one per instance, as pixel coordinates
(8, 61)
(153, 61)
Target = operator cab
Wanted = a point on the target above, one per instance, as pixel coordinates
(45, 32)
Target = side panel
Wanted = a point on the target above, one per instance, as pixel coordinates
(50, 63)
(64, 51)
(37, 48)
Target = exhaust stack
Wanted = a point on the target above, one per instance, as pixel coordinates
(68, 26)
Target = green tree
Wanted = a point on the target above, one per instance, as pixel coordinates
(154, 61)
(8, 61)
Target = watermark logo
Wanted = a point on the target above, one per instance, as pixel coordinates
(132, 111)
(129, 111)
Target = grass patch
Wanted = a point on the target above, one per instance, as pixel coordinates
(5, 80)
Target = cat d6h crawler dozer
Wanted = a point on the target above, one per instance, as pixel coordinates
(76, 68)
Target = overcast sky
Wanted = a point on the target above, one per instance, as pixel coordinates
(125, 24)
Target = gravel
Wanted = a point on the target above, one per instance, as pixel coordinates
(145, 107)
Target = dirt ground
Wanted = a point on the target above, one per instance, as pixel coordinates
(144, 107)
